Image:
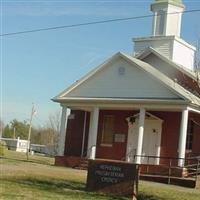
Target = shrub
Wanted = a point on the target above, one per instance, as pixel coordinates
(3, 147)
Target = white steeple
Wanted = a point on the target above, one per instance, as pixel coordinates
(166, 31)
(167, 17)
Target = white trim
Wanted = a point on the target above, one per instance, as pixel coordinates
(128, 105)
(119, 100)
(164, 37)
(193, 110)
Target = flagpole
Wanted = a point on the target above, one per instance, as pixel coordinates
(29, 132)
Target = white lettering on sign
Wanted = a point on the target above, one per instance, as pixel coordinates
(110, 168)
(108, 180)
(109, 173)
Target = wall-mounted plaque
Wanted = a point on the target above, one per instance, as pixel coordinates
(120, 138)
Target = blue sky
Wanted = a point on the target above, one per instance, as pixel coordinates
(36, 67)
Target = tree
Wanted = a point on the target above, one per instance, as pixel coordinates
(48, 135)
(16, 129)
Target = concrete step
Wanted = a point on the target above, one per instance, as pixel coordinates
(83, 164)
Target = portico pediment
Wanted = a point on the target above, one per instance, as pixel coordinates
(121, 78)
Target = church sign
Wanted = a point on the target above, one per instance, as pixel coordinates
(113, 177)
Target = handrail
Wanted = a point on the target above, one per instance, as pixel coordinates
(170, 158)
(128, 154)
(165, 157)
(195, 167)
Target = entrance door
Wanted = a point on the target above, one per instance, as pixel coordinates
(151, 141)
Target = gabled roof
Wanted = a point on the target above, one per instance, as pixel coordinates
(163, 79)
(182, 69)
(147, 115)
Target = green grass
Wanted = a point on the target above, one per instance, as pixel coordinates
(14, 157)
(29, 180)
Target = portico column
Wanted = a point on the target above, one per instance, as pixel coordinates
(140, 135)
(182, 138)
(92, 139)
(62, 134)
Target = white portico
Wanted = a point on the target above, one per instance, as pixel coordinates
(158, 93)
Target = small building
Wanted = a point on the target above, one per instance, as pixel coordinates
(38, 148)
(142, 108)
(48, 150)
(18, 144)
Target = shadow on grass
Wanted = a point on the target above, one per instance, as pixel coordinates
(70, 189)
(148, 197)
(62, 187)
(30, 160)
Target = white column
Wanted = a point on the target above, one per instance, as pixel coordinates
(182, 138)
(62, 135)
(92, 139)
(154, 24)
(140, 135)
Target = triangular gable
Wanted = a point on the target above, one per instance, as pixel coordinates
(86, 77)
(121, 79)
(105, 81)
(169, 83)
(151, 51)
(147, 116)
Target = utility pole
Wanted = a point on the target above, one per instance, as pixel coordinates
(33, 111)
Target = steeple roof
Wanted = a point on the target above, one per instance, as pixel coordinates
(173, 2)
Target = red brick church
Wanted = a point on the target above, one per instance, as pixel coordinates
(142, 108)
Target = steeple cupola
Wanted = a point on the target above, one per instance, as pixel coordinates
(167, 17)
(166, 33)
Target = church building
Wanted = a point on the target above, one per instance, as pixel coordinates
(142, 108)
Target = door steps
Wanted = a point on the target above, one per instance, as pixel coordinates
(83, 164)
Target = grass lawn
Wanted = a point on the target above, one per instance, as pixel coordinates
(30, 180)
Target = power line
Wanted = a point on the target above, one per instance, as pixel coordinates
(89, 23)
